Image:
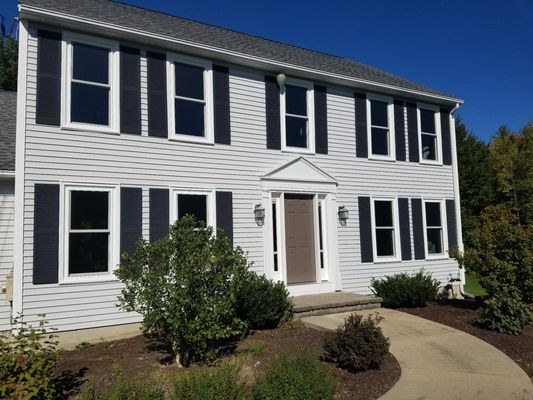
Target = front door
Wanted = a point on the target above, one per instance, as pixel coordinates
(300, 239)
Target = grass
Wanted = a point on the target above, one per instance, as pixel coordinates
(472, 285)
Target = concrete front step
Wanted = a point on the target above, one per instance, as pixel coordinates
(331, 303)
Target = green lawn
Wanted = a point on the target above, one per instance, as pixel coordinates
(472, 285)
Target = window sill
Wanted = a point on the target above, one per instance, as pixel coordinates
(383, 158)
(383, 260)
(297, 150)
(429, 162)
(191, 139)
(73, 280)
(437, 257)
(90, 128)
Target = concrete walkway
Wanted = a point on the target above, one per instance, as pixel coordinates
(442, 363)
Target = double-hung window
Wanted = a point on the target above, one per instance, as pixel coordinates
(429, 134)
(297, 116)
(190, 99)
(90, 82)
(196, 204)
(89, 231)
(385, 229)
(380, 126)
(435, 244)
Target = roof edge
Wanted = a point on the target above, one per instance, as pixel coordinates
(73, 21)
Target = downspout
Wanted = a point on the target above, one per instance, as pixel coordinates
(457, 199)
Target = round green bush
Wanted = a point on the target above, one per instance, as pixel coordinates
(263, 303)
(405, 290)
(358, 344)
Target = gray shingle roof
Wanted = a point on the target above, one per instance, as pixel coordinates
(8, 122)
(203, 34)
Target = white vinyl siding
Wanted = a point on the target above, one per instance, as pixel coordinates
(53, 155)
(7, 214)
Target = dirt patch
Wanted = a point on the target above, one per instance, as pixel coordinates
(140, 356)
(459, 314)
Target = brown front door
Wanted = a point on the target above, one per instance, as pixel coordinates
(300, 239)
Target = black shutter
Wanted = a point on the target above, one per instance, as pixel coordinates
(365, 230)
(418, 229)
(446, 137)
(405, 231)
(273, 123)
(399, 130)
(130, 90)
(159, 217)
(412, 132)
(224, 206)
(130, 218)
(48, 78)
(157, 94)
(361, 133)
(451, 216)
(321, 119)
(46, 234)
(222, 104)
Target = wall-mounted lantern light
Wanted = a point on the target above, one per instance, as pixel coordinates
(343, 215)
(259, 214)
(281, 78)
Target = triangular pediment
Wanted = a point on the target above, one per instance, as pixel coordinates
(299, 170)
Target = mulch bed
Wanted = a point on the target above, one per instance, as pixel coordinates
(140, 356)
(459, 314)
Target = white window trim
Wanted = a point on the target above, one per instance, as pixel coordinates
(320, 201)
(438, 133)
(396, 221)
(444, 255)
(209, 130)
(310, 117)
(211, 205)
(392, 132)
(66, 83)
(64, 234)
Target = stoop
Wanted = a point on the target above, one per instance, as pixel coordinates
(331, 303)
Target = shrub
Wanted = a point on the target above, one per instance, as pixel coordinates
(263, 303)
(404, 290)
(358, 344)
(505, 312)
(184, 286)
(219, 383)
(125, 390)
(27, 362)
(296, 378)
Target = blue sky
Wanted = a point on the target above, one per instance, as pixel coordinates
(480, 51)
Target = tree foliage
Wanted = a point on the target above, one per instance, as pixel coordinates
(8, 59)
(476, 179)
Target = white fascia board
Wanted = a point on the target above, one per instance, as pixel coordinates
(155, 40)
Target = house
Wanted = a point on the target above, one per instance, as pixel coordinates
(327, 172)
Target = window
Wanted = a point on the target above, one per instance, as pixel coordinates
(190, 99)
(89, 232)
(90, 83)
(434, 228)
(275, 235)
(297, 110)
(380, 126)
(198, 204)
(320, 236)
(385, 232)
(429, 138)
(193, 204)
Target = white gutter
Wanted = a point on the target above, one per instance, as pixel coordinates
(72, 22)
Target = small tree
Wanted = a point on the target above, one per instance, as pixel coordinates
(184, 286)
